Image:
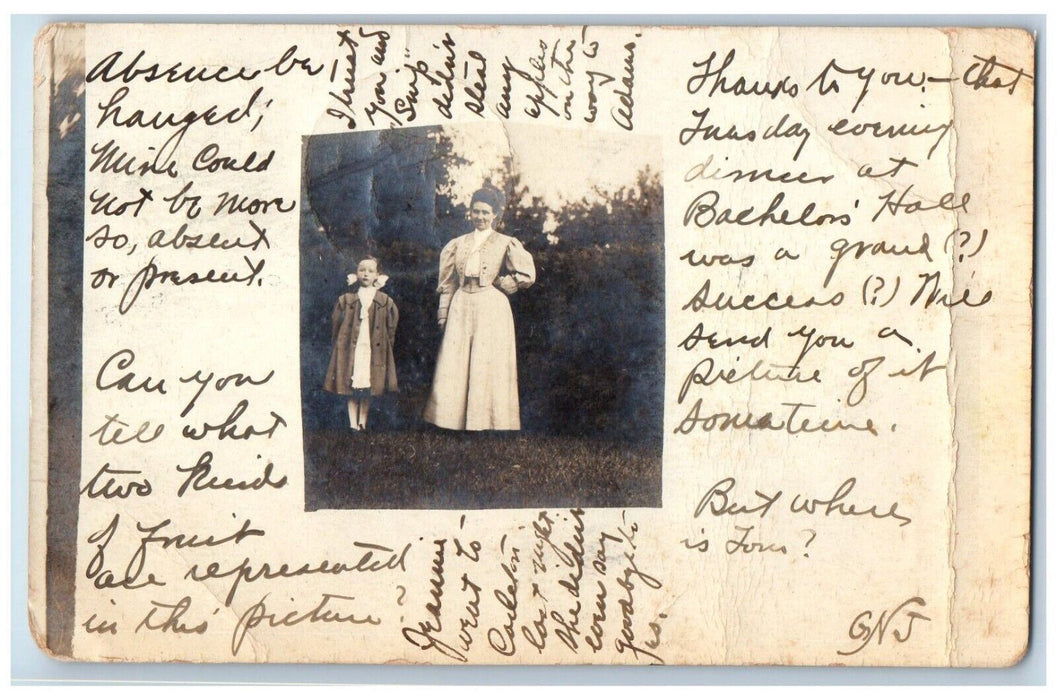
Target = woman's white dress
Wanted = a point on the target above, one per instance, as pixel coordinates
(475, 386)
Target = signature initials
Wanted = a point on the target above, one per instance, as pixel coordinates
(864, 628)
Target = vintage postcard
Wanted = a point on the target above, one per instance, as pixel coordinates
(532, 345)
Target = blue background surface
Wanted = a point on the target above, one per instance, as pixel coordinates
(29, 665)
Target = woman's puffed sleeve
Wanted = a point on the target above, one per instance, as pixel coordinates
(520, 269)
(448, 280)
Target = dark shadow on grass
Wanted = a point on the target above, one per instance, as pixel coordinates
(432, 469)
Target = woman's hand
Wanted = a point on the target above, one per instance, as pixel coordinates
(441, 322)
(506, 283)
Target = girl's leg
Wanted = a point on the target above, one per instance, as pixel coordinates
(354, 414)
(364, 407)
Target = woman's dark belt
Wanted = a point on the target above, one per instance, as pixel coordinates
(472, 285)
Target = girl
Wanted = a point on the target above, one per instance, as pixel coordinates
(363, 328)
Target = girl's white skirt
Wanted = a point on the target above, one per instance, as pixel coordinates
(475, 386)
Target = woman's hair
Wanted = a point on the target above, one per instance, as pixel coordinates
(490, 196)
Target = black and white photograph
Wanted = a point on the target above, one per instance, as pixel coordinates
(482, 318)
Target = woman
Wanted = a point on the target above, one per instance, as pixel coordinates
(475, 385)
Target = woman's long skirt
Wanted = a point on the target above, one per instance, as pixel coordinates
(475, 386)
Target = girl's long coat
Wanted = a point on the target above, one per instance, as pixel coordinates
(345, 329)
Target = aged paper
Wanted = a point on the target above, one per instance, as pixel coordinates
(536, 345)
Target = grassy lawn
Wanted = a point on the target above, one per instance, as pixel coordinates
(440, 470)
